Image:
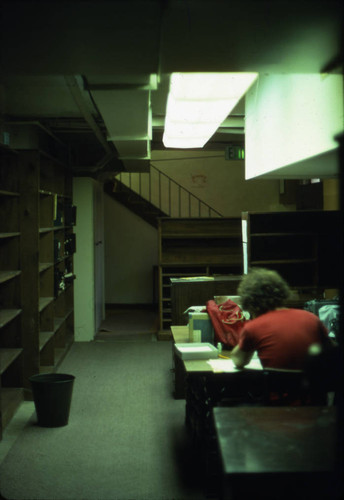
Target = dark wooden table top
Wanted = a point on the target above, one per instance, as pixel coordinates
(276, 440)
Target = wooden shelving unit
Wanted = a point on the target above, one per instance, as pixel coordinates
(52, 192)
(37, 243)
(191, 247)
(301, 245)
(11, 349)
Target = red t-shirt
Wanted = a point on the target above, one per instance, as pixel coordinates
(282, 337)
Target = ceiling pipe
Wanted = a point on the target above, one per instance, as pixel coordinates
(75, 90)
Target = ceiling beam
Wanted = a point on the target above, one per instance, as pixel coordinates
(76, 92)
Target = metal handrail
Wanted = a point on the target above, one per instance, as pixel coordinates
(211, 211)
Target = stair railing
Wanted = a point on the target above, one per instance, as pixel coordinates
(156, 186)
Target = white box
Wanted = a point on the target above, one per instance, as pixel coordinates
(196, 350)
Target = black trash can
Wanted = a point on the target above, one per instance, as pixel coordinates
(52, 395)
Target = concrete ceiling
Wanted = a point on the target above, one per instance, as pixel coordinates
(96, 73)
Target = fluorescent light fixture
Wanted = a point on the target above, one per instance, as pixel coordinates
(198, 103)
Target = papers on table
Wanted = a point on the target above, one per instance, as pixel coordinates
(227, 365)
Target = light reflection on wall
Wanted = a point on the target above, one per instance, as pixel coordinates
(290, 118)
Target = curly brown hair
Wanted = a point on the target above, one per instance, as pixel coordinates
(262, 290)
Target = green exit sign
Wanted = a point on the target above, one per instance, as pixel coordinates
(235, 152)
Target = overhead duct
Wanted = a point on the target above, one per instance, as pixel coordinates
(126, 111)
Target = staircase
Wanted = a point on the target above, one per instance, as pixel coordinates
(134, 202)
(154, 194)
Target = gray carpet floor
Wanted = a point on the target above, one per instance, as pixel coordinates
(133, 324)
(125, 439)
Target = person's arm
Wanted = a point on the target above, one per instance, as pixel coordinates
(241, 358)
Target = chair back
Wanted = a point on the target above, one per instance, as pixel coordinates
(285, 388)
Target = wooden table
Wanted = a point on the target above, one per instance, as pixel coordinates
(278, 452)
(182, 368)
(180, 335)
(203, 389)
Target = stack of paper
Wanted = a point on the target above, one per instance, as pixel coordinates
(195, 350)
(227, 365)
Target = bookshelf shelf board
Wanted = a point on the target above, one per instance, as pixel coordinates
(45, 192)
(8, 275)
(205, 236)
(45, 229)
(43, 266)
(7, 315)
(44, 302)
(3, 192)
(282, 261)
(7, 356)
(282, 234)
(44, 338)
(7, 149)
(186, 274)
(220, 260)
(58, 322)
(68, 313)
(8, 235)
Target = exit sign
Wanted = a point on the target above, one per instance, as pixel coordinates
(235, 152)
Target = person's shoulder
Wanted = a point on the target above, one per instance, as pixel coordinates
(303, 313)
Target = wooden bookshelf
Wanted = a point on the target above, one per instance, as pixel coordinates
(36, 253)
(51, 196)
(11, 375)
(191, 247)
(301, 245)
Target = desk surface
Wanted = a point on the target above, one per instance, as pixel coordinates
(276, 440)
(181, 335)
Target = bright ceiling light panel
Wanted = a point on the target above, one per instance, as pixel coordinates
(198, 103)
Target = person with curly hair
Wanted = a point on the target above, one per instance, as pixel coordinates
(281, 336)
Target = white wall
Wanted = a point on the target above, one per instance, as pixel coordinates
(84, 296)
(131, 251)
(290, 124)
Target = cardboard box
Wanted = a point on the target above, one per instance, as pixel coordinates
(200, 327)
